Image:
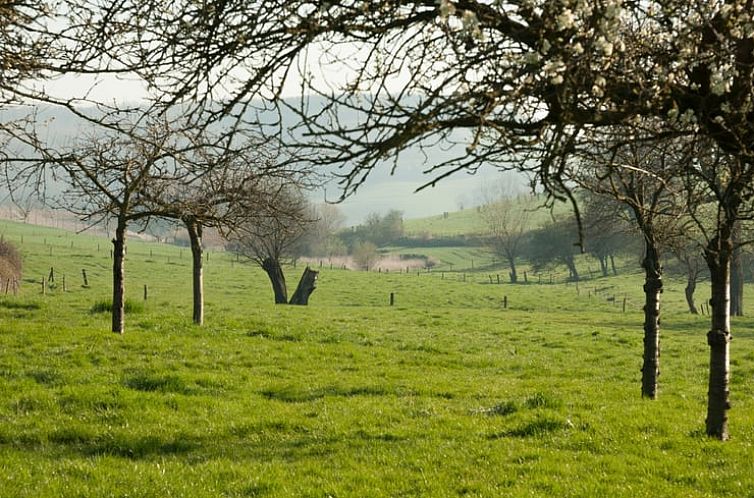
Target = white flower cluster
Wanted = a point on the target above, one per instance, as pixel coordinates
(721, 78)
(554, 70)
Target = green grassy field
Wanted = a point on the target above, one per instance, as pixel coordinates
(444, 394)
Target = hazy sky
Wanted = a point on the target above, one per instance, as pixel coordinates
(380, 193)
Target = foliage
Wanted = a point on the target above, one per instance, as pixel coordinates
(379, 230)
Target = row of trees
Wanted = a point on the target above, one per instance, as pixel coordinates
(552, 88)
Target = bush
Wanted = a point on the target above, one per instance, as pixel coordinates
(11, 263)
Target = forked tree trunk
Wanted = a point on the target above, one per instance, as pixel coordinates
(650, 370)
(689, 291)
(194, 229)
(306, 286)
(119, 287)
(718, 254)
(277, 279)
(736, 284)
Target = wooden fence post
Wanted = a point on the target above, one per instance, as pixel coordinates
(145, 292)
(392, 298)
(505, 302)
(44, 287)
(86, 280)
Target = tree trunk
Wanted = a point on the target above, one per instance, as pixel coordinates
(194, 229)
(736, 284)
(574, 273)
(277, 279)
(306, 286)
(718, 254)
(513, 273)
(119, 287)
(689, 291)
(650, 370)
(612, 263)
(603, 265)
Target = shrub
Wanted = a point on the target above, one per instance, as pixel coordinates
(11, 263)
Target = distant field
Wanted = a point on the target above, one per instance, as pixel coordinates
(444, 394)
(469, 221)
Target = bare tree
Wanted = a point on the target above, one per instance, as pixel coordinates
(688, 252)
(218, 184)
(106, 176)
(639, 175)
(507, 221)
(271, 235)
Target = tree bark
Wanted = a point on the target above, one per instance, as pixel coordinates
(194, 229)
(306, 286)
(718, 255)
(650, 370)
(119, 287)
(612, 263)
(736, 284)
(277, 279)
(689, 291)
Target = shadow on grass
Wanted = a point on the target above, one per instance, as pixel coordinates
(19, 305)
(538, 427)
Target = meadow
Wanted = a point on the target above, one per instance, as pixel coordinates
(447, 393)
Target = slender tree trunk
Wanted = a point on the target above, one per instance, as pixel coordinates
(718, 254)
(603, 265)
(277, 279)
(689, 291)
(650, 370)
(736, 284)
(512, 265)
(119, 287)
(612, 263)
(194, 229)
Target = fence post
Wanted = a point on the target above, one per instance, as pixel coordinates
(505, 302)
(624, 304)
(44, 287)
(145, 292)
(86, 280)
(392, 298)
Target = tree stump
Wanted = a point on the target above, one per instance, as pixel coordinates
(306, 286)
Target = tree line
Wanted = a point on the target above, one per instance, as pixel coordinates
(641, 101)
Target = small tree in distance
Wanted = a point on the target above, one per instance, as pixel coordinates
(507, 221)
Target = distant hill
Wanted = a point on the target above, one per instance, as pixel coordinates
(382, 191)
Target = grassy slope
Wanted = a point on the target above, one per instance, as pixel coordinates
(444, 394)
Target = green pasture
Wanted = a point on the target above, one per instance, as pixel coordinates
(446, 393)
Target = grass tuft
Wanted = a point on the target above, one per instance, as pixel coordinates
(106, 306)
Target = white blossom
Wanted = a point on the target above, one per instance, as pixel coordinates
(566, 20)
(604, 46)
